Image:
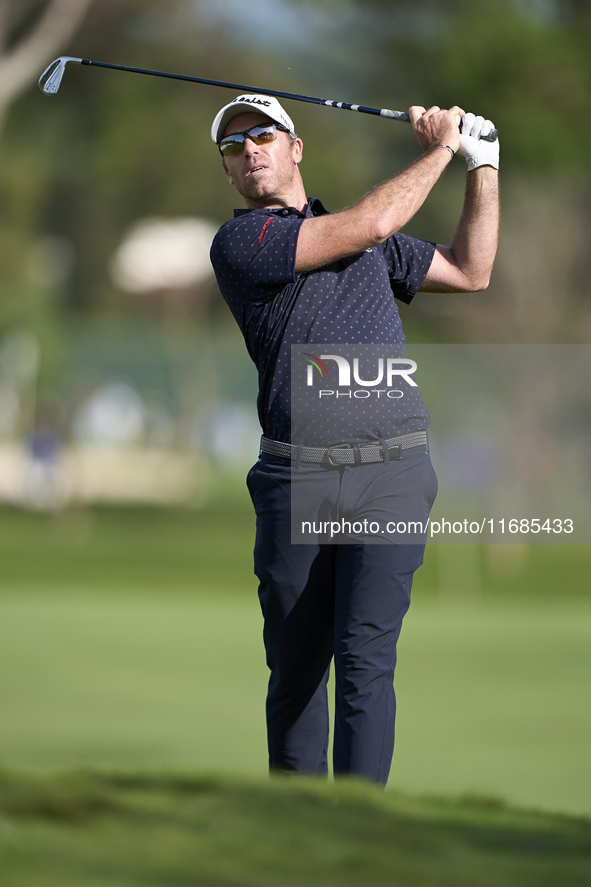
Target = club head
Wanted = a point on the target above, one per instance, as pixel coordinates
(51, 79)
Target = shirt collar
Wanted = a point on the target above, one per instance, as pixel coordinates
(313, 208)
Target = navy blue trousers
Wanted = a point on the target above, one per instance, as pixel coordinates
(329, 600)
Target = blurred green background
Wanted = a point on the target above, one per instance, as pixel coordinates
(130, 633)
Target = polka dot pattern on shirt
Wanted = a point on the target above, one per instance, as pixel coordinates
(351, 301)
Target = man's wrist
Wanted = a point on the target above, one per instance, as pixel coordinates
(487, 170)
(449, 148)
(448, 152)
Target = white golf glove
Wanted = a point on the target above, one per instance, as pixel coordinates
(476, 151)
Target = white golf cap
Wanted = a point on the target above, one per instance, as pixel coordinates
(260, 104)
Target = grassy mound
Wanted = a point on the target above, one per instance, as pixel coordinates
(85, 829)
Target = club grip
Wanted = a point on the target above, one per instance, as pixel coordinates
(404, 117)
(491, 137)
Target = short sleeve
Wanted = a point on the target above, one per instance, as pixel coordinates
(253, 255)
(408, 261)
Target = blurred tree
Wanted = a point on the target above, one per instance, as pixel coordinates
(30, 34)
(526, 64)
(114, 148)
(81, 169)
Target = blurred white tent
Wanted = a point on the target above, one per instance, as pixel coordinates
(161, 254)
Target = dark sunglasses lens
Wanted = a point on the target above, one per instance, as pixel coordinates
(259, 134)
(232, 144)
(262, 134)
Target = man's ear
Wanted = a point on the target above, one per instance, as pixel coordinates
(298, 149)
(230, 179)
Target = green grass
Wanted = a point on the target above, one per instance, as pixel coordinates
(91, 829)
(158, 549)
(120, 679)
(147, 548)
(491, 698)
(133, 638)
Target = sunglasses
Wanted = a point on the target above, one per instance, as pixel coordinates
(260, 135)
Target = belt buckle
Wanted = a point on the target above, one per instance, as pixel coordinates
(336, 447)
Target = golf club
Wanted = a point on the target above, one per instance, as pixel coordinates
(51, 79)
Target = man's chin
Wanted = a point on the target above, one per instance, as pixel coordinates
(256, 190)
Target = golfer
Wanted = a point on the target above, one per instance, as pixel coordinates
(293, 273)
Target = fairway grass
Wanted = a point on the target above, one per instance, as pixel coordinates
(491, 699)
(133, 638)
(88, 829)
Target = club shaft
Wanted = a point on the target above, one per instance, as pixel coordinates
(346, 106)
(384, 112)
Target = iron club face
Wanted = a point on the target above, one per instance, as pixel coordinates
(50, 80)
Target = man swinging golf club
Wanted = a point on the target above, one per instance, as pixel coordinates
(293, 273)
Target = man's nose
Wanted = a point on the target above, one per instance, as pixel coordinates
(249, 145)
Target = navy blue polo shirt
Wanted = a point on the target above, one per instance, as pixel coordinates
(351, 301)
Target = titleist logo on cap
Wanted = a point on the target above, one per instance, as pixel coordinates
(268, 106)
(246, 100)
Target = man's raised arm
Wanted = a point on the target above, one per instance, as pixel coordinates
(466, 265)
(387, 208)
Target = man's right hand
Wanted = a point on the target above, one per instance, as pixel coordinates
(436, 126)
(387, 208)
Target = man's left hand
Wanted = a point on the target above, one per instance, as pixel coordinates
(476, 151)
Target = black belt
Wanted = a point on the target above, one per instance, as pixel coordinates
(346, 454)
